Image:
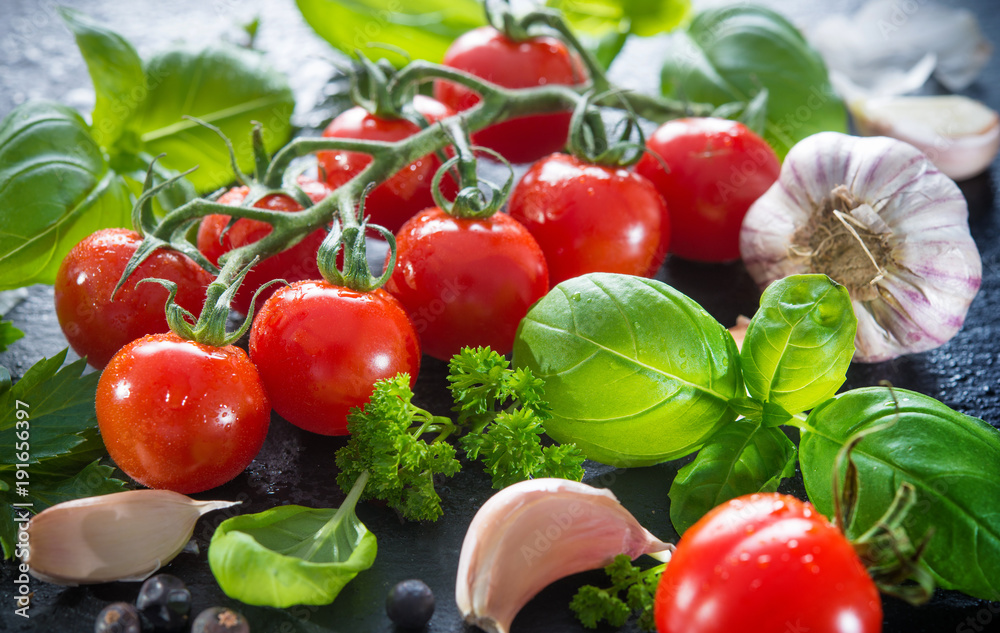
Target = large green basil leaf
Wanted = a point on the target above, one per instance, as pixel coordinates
(291, 554)
(636, 373)
(116, 70)
(422, 28)
(799, 344)
(641, 17)
(224, 85)
(55, 189)
(741, 458)
(953, 461)
(730, 53)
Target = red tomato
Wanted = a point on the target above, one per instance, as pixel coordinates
(298, 262)
(407, 191)
(588, 218)
(179, 415)
(718, 168)
(96, 326)
(766, 562)
(466, 282)
(321, 348)
(488, 53)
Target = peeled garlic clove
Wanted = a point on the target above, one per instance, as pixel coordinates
(961, 136)
(534, 532)
(121, 536)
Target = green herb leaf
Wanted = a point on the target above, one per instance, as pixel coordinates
(8, 334)
(48, 417)
(116, 70)
(731, 53)
(643, 17)
(422, 28)
(57, 190)
(593, 605)
(291, 554)
(741, 458)
(224, 85)
(800, 343)
(635, 372)
(953, 461)
(384, 442)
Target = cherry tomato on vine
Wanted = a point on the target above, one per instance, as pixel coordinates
(321, 348)
(466, 281)
(539, 61)
(590, 218)
(406, 192)
(97, 326)
(298, 262)
(716, 170)
(766, 562)
(179, 415)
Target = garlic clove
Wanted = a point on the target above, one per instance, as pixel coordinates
(121, 536)
(961, 136)
(534, 532)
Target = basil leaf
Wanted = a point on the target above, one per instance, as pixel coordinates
(643, 17)
(800, 343)
(291, 554)
(8, 334)
(116, 70)
(422, 28)
(741, 458)
(636, 373)
(224, 85)
(55, 189)
(953, 461)
(731, 53)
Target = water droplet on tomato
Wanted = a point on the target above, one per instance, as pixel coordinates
(763, 561)
(744, 557)
(756, 584)
(793, 544)
(808, 558)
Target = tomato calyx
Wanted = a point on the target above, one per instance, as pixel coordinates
(348, 238)
(471, 202)
(591, 141)
(888, 553)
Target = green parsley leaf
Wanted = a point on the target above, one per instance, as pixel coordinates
(593, 605)
(8, 334)
(49, 417)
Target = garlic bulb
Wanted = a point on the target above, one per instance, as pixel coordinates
(534, 532)
(961, 136)
(877, 217)
(121, 536)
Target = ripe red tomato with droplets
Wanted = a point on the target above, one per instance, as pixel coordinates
(406, 192)
(179, 415)
(539, 61)
(321, 348)
(716, 170)
(97, 326)
(294, 264)
(766, 562)
(590, 218)
(466, 282)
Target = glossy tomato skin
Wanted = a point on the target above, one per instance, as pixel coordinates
(466, 282)
(321, 348)
(590, 218)
(488, 53)
(97, 326)
(179, 415)
(406, 192)
(717, 169)
(298, 262)
(766, 562)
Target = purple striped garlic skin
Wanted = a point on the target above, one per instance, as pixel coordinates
(876, 216)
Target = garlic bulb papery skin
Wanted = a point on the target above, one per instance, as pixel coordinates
(961, 136)
(533, 533)
(121, 536)
(878, 217)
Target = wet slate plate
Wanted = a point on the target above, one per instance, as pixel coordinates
(296, 467)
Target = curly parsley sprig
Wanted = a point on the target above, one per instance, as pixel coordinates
(500, 411)
(593, 605)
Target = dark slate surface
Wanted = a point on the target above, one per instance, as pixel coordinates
(38, 59)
